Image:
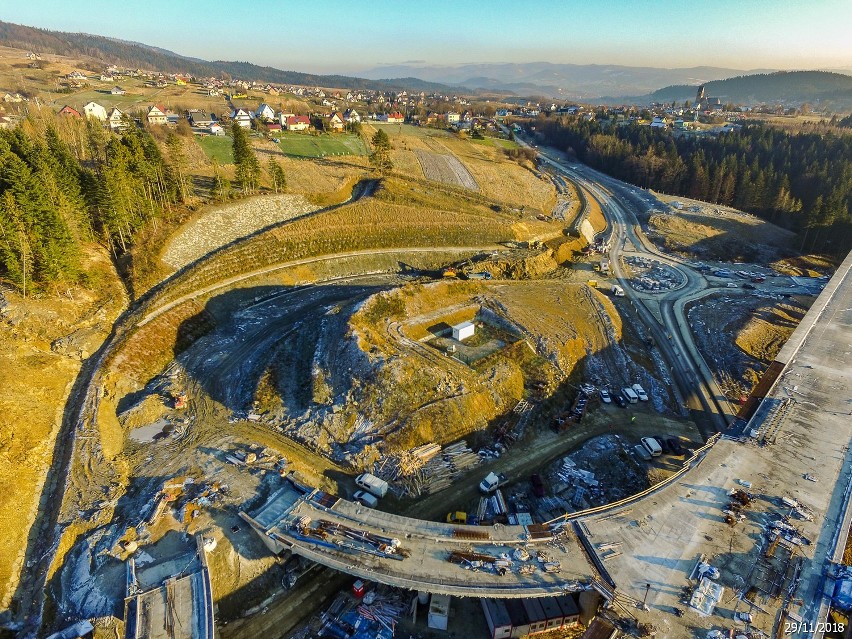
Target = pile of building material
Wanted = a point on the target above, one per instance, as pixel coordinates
(426, 469)
(382, 610)
(492, 508)
(372, 617)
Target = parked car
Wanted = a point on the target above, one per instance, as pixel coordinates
(675, 446)
(640, 392)
(663, 444)
(642, 452)
(749, 286)
(619, 399)
(630, 395)
(379, 487)
(732, 285)
(365, 499)
(538, 485)
(653, 446)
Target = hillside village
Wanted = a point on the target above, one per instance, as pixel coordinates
(336, 110)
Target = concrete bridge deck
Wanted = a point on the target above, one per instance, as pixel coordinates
(416, 554)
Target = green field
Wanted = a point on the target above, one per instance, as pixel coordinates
(218, 148)
(313, 146)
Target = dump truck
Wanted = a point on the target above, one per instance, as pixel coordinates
(371, 483)
(492, 482)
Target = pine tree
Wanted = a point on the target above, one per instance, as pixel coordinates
(380, 157)
(54, 254)
(248, 167)
(180, 164)
(276, 175)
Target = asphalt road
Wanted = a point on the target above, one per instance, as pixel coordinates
(696, 386)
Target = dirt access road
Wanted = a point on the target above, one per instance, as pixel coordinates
(543, 446)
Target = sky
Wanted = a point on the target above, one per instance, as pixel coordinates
(332, 36)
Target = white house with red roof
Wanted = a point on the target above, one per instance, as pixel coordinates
(298, 123)
(68, 111)
(157, 115)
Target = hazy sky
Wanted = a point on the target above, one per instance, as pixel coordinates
(335, 36)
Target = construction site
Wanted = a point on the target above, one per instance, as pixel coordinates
(355, 424)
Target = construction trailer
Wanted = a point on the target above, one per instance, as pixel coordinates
(570, 610)
(518, 615)
(536, 615)
(497, 617)
(464, 330)
(515, 618)
(553, 615)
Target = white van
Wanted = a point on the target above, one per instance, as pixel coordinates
(640, 393)
(629, 395)
(652, 446)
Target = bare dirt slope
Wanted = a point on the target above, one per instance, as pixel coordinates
(222, 224)
(711, 231)
(43, 342)
(445, 168)
(740, 336)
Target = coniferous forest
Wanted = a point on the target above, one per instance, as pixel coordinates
(800, 181)
(65, 183)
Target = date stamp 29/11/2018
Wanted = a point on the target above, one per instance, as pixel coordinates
(810, 629)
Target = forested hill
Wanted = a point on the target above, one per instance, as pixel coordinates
(771, 88)
(101, 51)
(802, 181)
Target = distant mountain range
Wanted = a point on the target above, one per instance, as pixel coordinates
(100, 50)
(585, 83)
(566, 81)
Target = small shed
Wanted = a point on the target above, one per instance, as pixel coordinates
(464, 330)
(439, 612)
(499, 622)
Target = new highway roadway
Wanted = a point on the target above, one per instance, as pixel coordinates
(695, 384)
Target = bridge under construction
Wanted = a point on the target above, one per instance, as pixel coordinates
(767, 503)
